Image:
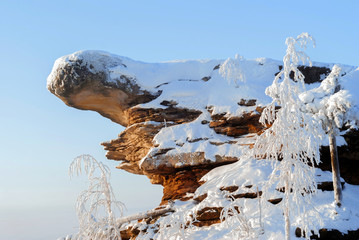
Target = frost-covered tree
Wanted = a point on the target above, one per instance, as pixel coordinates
(293, 139)
(330, 105)
(96, 206)
(231, 70)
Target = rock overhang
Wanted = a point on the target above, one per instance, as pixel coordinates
(83, 80)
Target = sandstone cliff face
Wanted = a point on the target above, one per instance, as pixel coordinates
(182, 119)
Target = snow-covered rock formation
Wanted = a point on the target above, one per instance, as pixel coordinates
(184, 121)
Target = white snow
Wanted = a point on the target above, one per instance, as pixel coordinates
(350, 82)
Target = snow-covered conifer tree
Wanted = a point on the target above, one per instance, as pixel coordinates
(293, 139)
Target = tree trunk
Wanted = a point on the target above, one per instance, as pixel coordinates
(260, 213)
(286, 212)
(335, 168)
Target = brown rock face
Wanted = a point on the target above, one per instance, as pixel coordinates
(172, 115)
(181, 183)
(208, 216)
(131, 146)
(237, 126)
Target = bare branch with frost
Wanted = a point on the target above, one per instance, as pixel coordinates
(148, 214)
(96, 207)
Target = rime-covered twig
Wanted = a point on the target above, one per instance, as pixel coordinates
(96, 206)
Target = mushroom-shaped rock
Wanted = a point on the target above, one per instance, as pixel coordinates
(98, 81)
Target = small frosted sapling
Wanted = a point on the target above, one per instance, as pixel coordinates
(293, 138)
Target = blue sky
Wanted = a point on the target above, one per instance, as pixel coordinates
(40, 135)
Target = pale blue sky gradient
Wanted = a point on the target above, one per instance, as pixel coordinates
(40, 135)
